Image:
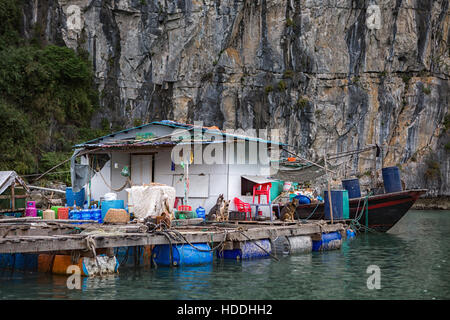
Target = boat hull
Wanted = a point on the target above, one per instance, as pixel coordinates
(384, 211)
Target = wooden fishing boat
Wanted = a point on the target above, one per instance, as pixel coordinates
(384, 210)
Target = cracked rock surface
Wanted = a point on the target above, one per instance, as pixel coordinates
(317, 70)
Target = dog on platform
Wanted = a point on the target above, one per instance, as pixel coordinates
(287, 214)
(166, 216)
(214, 213)
(223, 211)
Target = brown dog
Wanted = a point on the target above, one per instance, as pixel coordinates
(223, 212)
(166, 216)
(287, 214)
(214, 213)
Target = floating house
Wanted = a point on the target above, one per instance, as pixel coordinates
(199, 162)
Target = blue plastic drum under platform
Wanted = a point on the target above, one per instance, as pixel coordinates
(329, 241)
(182, 254)
(249, 250)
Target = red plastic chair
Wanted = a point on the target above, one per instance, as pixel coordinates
(184, 208)
(243, 207)
(260, 190)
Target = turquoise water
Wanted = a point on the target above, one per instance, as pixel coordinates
(414, 262)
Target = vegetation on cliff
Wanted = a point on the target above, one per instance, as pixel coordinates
(47, 98)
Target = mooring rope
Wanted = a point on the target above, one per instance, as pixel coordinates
(177, 236)
(90, 242)
(355, 224)
(303, 220)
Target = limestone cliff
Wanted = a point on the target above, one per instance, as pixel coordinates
(332, 75)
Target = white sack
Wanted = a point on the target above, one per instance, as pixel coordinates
(148, 201)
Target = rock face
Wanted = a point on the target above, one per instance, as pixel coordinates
(331, 75)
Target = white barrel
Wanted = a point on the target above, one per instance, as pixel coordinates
(300, 244)
(291, 245)
(110, 196)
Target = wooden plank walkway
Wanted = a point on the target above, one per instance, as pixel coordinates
(31, 237)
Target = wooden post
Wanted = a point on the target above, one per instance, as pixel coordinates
(329, 189)
(13, 196)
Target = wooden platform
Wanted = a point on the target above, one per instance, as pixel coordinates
(34, 236)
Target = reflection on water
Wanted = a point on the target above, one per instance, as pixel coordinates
(413, 258)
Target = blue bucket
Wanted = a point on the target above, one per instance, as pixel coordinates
(353, 188)
(391, 179)
(182, 254)
(201, 213)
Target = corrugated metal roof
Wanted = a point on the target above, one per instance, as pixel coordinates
(7, 178)
(174, 124)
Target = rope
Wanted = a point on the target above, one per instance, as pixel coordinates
(355, 224)
(304, 220)
(51, 169)
(177, 236)
(198, 249)
(90, 243)
(128, 181)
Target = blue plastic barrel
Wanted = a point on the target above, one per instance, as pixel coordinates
(249, 250)
(339, 201)
(329, 241)
(353, 188)
(19, 261)
(182, 254)
(111, 204)
(201, 212)
(73, 199)
(135, 255)
(391, 179)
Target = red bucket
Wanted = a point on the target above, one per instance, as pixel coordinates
(63, 213)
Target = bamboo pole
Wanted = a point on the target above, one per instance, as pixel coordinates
(316, 164)
(329, 189)
(13, 196)
(47, 189)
